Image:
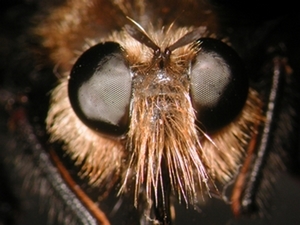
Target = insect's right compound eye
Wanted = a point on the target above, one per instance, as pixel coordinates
(100, 89)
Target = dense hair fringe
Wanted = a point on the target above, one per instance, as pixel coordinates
(161, 139)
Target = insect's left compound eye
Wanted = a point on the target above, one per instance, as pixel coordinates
(100, 89)
(219, 86)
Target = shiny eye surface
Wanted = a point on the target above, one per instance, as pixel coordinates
(100, 89)
(219, 85)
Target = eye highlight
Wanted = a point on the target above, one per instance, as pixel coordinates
(219, 86)
(100, 89)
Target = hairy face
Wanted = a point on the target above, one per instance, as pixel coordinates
(156, 101)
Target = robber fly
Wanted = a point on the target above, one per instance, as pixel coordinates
(154, 108)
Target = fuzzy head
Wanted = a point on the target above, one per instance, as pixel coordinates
(172, 89)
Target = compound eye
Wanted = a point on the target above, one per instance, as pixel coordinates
(219, 85)
(100, 89)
